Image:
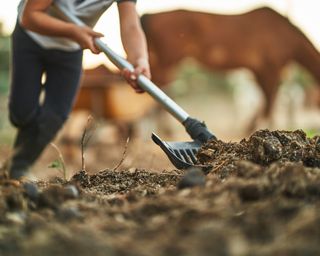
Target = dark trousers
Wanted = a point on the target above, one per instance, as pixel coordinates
(38, 122)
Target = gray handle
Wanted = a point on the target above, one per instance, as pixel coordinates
(142, 80)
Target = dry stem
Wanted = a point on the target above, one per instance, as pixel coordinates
(84, 141)
(123, 155)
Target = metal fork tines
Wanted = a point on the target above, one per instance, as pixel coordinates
(184, 151)
(186, 155)
(181, 154)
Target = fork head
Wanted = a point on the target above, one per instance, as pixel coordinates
(181, 154)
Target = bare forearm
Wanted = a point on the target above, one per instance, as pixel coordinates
(132, 36)
(134, 43)
(42, 23)
(36, 19)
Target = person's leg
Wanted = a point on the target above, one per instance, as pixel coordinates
(27, 70)
(26, 73)
(63, 72)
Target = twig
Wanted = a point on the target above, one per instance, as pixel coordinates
(219, 165)
(84, 141)
(63, 165)
(123, 155)
(122, 159)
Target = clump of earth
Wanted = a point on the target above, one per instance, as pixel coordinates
(261, 196)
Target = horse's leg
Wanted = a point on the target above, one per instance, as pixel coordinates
(268, 80)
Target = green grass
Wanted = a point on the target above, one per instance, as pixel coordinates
(7, 132)
(312, 132)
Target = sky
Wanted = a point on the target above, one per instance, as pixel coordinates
(303, 13)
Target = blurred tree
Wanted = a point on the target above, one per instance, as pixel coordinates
(4, 81)
(193, 78)
(4, 61)
(301, 76)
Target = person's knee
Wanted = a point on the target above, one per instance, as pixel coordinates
(20, 117)
(50, 122)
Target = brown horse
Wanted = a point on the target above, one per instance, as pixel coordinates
(261, 40)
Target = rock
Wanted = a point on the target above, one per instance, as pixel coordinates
(31, 191)
(71, 192)
(194, 177)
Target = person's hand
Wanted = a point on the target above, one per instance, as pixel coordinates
(141, 67)
(85, 37)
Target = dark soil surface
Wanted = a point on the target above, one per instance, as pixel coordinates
(261, 196)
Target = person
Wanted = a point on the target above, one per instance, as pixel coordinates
(47, 57)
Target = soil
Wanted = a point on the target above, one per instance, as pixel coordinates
(261, 196)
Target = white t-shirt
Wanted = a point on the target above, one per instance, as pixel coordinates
(89, 11)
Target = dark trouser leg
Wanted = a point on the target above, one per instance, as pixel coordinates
(37, 125)
(31, 141)
(27, 70)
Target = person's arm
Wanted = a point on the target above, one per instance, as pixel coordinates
(134, 43)
(35, 18)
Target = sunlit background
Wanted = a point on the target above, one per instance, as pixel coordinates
(225, 101)
(305, 14)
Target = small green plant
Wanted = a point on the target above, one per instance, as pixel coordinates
(59, 163)
(312, 132)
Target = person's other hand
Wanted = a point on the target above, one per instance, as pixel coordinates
(85, 37)
(141, 67)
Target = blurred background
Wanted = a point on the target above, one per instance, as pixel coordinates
(228, 100)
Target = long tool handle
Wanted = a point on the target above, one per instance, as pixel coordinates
(142, 80)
